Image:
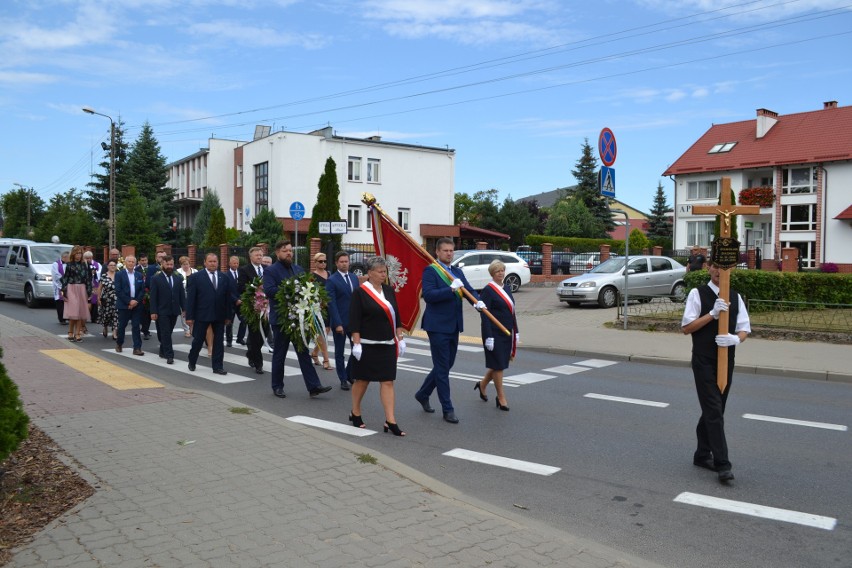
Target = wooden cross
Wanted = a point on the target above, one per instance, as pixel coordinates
(724, 210)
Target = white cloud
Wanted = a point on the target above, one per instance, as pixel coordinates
(19, 78)
(675, 95)
(764, 10)
(700, 92)
(91, 24)
(255, 36)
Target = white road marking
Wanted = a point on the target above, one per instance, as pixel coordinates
(500, 461)
(180, 366)
(238, 360)
(291, 353)
(762, 511)
(462, 347)
(453, 374)
(526, 379)
(824, 425)
(333, 426)
(627, 400)
(565, 369)
(596, 363)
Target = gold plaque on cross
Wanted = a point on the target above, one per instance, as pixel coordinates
(725, 252)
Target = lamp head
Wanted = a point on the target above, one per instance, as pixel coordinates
(88, 110)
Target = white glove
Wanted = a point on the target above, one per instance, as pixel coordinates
(456, 284)
(517, 338)
(401, 347)
(489, 343)
(480, 305)
(719, 305)
(356, 351)
(727, 340)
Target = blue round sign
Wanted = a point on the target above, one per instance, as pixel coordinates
(297, 211)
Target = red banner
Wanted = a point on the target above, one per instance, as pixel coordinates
(406, 262)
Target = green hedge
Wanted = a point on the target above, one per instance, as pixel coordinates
(576, 244)
(812, 287)
(13, 419)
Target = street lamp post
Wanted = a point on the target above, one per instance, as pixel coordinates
(111, 222)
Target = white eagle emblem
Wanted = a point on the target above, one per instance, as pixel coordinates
(397, 275)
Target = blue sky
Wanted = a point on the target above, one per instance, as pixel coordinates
(514, 86)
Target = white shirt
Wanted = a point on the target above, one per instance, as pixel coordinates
(132, 280)
(692, 311)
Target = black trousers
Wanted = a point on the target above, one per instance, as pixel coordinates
(254, 344)
(165, 325)
(711, 426)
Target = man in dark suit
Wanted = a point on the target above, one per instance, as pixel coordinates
(233, 274)
(129, 291)
(340, 286)
(247, 274)
(442, 320)
(272, 278)
(168, 301)
(147, 272)
(210, 297)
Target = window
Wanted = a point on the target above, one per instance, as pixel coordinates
(660, 264)
(4, 252)
(239, 176)
(703, 189)
(369, 221)
(353, 217)
(799, 180)
(798, 217)
(722, 148)
(638, 266)
(807, 252)
(698, 233)
(354, 170)
(404, 219)
(261, 187)
(373, 171)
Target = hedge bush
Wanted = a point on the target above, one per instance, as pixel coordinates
(576, 244)
(811, 287)
(13, 419)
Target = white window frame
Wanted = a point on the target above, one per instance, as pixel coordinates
(368, 221)
(808, 260)
(694, 189)
(787, 187)
(239, 176)
(353, 217)
(403, 217)
(374, 170)
(698, 233)
(809, 225)
(353, 171)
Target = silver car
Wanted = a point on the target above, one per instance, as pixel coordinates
(647, 276)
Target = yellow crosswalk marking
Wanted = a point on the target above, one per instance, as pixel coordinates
(113, 375)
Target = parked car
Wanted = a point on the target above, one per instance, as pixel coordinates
(560, 263)
(474, 264)
(647, 276)
(357, 262)
(25, 269)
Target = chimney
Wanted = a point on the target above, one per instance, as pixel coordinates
(829, 104)
(766, 119)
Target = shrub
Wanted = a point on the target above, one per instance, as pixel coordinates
(828, 268)
(811, 287)
(13, 419)
(576, 244)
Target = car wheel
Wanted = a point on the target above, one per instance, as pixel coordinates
(358, 270)
(608, 297)
(29, 297)
(514, 282)
(678, 293)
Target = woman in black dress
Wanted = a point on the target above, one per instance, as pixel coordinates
(499, 347)
(377, 341)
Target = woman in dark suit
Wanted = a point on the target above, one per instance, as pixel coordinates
(499, 347)
(377, 341)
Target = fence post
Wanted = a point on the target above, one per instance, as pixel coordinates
(192, 253)
(316, 244)
(223, 256)
(605, 252)
(658, 250)
(481, 245)
(546, 259)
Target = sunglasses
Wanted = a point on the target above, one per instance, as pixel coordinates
(321, 261)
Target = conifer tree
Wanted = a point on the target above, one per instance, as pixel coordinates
(586, 174)
(659, 224)
(265, 228)
(216, 231)
(327, 207)
(13, 419)
(133, 225)
(209, 203)
(97, 194)
(146, 168)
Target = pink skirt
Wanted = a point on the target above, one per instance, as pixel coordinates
(76, 303)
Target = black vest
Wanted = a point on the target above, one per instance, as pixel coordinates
(704, 340)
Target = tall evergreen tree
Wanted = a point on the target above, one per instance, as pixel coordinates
(14, 206)
(587, 189)
(98, 193)
(216, 231)
(146, 167)
(659, 224)
(209, 203)
(265, 228)
(133, 225)
(68, 217)
(327, 207)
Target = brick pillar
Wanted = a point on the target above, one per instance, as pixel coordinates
(223, 257)
(316, 244)
(128, 250)
(751, 260)
(546, 259)
(481, 245)
(605, 252)
(658, 251)
(645, 251)
(790, 259)
(106, 253)
(192, 253)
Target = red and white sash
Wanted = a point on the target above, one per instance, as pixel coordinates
(387, 308)
(511, 304)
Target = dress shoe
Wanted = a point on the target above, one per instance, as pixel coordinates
(228, 344)
(425, 404)
(170, 361)
(258, 370)
(451, 417)
(344, 386)
(706, 463)
(161, 355)
(279, 392)
(146, 336)
(319, 391)
(138, 352)
(117, 348)
(220, 371)
(241, 342)
(191, 366)
(725, 476)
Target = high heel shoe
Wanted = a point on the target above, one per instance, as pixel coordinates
(394, 428)
(316, 360)
(327, 366)
(357, 422)
(476, 387)
(501, 406)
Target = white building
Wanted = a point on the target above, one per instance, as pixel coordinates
(415, 184)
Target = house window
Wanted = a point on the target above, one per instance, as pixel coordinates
(807, 252)
(703, 189)
(404, 219)
(354, 170)
(799, 180)
(698, 233)
(721, 148)
(368, 221)
(353, 217)
(798, 217)
(239, 176)
(373, 171)
(261, 187)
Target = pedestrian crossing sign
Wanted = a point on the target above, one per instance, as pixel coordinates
(607, 182)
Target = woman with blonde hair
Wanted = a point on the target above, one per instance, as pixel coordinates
(320, 274)
(185, 270)
(77, 289)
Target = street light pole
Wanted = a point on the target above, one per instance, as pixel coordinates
(111, 222)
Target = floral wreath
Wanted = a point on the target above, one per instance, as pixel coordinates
(299, 304)
(254, 307)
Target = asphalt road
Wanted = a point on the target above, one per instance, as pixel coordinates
(621, 464)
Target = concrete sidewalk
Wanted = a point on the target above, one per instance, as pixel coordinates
(182, 481)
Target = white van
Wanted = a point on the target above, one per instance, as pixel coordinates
(25, 269)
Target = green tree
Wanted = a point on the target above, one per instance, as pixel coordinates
(717, 229)
(146, 168)
(209, 203)
(14, 206)
(659, 223)
(327, 207)
(216, 231)
(98, 193)
(638, 241)
(571, 218)
(463, 209)
(518, 220)
(265, 228)
(69, 217)
(486, 210)
(133, 225)
(13, 419)
(586, 174)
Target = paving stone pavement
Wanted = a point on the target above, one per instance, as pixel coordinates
(249, 490)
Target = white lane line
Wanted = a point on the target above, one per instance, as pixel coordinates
(627, 400)
(500, 461)
(565, 369)
(793, 421)
(180, 366)
(291, 353)
(453, 374)
(333, 426)
(462, 347)
(526, 379)
(238, 360)
(596, 363)
(762, 511)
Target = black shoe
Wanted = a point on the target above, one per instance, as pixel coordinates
(228, 344)
(706, 463)
(482, 395)
(344, 386)
(220, 371)
(319, 391)
(279, 392)
(241, 342)
(451, 417)
(146, 336)
(191, 366)
(425, 404)
(725, 476)
(258, 370)
(170, 361)
(161, 355)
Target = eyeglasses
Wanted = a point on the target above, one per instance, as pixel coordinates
(321, 261)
